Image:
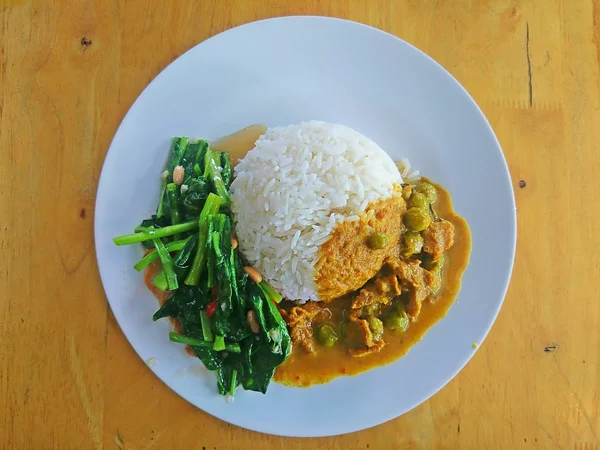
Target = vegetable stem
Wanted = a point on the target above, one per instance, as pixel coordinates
(197, 169)
(202, 149)
(194, 342)
(233, 383)
(153, 255)
(211, 207)
(227, 172)
(156, 233)
(233, 348)
(210, 263)
(219, 343)
(206, 331)
(174, 205)
(212, 170)
(167, 262)
(211, 266)
(270, 292)
(161, 202)
(160, 281)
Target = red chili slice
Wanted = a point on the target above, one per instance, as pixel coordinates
(211, 308)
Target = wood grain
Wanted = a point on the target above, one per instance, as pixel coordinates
(68, 73)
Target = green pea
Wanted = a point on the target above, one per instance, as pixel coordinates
(326, 335)
(379, 240)
(418, 200)
(370, 310)
(376, 327)
(397, 320)
(413, 243)
(417, 219)
(428, 190)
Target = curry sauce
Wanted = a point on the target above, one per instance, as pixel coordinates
(303, 369)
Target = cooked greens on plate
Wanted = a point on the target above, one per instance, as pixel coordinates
(227, 317)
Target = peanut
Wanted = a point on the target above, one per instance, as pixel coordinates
(253, 274)
(178, 175)
(254, 325)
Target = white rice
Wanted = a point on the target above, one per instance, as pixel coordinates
(294, 187)
(408, 174)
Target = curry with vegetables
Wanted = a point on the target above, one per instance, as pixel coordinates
(422, 261)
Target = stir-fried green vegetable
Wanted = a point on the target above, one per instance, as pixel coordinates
(152, 256)
(167, 263)
(211, 207)
(212, 296)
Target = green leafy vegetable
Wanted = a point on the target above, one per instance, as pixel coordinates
(192, 200)
(211, 295)
(178, 148)
(184, 258)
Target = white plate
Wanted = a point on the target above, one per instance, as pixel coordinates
(283, 71)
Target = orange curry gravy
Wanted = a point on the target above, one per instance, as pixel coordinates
(304, 369)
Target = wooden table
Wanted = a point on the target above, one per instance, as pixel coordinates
(69, 71)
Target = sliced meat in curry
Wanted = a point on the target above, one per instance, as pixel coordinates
(372, 344)
(379, 290)
(368, 325)
(421, 283)
(438, 238)
(300, 321)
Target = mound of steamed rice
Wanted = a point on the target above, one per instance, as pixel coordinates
(294, 187)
